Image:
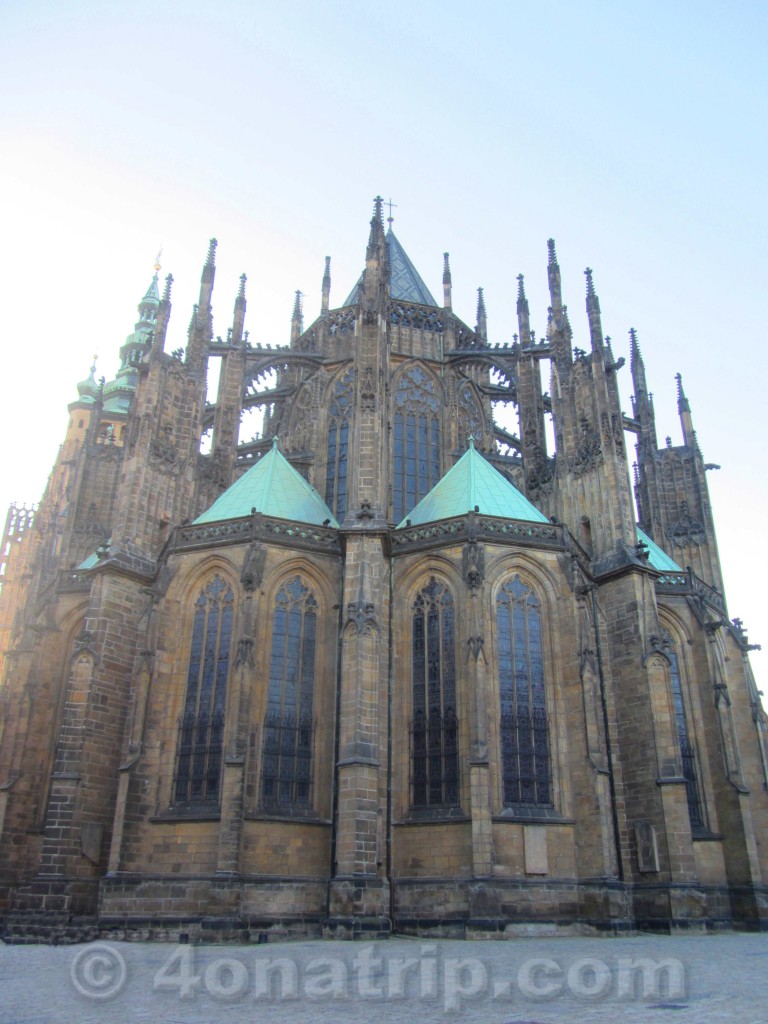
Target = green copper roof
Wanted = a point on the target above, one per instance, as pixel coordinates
(405, 282)
(274, 488)
(473, 483)
(657, 558)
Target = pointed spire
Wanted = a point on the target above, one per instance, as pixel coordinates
(553, 272)
(296, 319)
(376, 237)
(482, 319)
(209, 271)
(446, 282)
(593, 313)
(163, 316)
(201, 328)
(522, 301)
(326, 299)
(374, 293)
(682, 401)
(523, 314)
(684, 410)
(238, 319)
(635, 356)
(642, 402)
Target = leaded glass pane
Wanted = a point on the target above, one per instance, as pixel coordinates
(434, 730)
(337, 451)
(524, 728)
(687, 748)
(286, 763)
(201, 729)
(416, 441)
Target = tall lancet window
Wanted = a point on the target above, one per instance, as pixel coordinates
(286, 766)
(684, 738)
(435, 750)
(416, 453)
(526, 775)
(198, 763)
(338, 446)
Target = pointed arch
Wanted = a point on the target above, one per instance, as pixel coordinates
(201, 729)
(435, 726)
(416, 455)
(525, 742)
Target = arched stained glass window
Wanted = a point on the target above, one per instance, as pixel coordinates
(524, 729)
(416, 452)
(198, 765)
(286, 769)
(687, 747)
(338, 445)
(435, 752)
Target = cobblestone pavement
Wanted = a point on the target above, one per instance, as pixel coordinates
(523, 981)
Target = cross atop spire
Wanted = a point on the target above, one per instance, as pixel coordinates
(390, 204)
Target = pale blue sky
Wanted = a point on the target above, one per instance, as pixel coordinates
(634, 134)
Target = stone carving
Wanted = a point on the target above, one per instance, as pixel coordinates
(361, 615)
(687, 529)
(368, 391)
(470, 416)
(244, 655)
(475, 644)
(588, 452)
(253, 566)
(473, 568)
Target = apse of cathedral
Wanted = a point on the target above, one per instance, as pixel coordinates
(387, 666)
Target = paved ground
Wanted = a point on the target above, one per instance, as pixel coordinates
(524, 981)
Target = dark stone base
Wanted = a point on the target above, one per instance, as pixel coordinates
(261, 910)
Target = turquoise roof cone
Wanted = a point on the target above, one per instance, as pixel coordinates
(273, 488)
(118, 393)
(473, 484)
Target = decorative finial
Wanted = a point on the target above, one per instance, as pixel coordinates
(390, 204)
(480, 304)
(274, 442)
(211, 257)
(377, 203)
(241, 292)
(551, 251)
(471, 440)
(157, 261)
(446, 269)
(327, 271)
(167, 291)
(297, 306)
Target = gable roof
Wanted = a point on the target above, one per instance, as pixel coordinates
(473, 483)
(274, 488)
(405, 282)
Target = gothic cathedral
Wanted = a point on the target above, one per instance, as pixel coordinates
(387, 666)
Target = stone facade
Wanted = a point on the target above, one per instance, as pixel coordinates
(492, 724)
